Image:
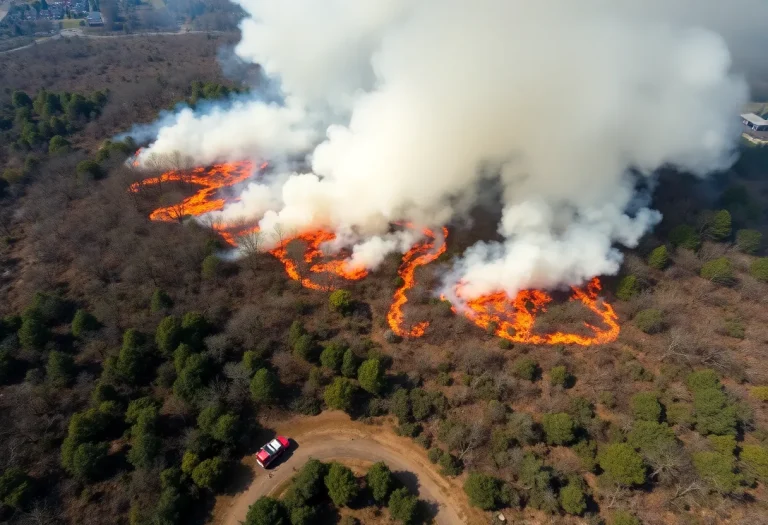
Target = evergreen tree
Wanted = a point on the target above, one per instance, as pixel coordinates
(60, 369)
(341, 484)
(340, 394)
(622, 464)
(349, 364)
(658, 258)
(83, 322)
(371, 376)
(719, 228)
(380, 481)
(264, 386)
(168, 335)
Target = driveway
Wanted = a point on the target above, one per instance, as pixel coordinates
(333, 436)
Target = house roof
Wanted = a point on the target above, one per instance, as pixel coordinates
(755, 119)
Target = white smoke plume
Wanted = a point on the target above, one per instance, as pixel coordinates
(421, 102)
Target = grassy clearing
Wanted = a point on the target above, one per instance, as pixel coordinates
(70, 23)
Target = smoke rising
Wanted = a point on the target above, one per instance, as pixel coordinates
(405, 109)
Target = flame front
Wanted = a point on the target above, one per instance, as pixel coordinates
(205, 200)
(313, 252)
(513, 319)
(420, 254)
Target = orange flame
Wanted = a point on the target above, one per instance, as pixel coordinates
(419, 255)
(313, 251)
(210, 179)
(513, 319)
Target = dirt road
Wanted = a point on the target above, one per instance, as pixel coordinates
(333, 436)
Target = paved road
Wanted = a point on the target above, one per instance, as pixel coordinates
(79, 33)
(335, 437)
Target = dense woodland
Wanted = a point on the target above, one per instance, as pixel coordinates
(138, 366)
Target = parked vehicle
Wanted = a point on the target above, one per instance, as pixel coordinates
(272, 450)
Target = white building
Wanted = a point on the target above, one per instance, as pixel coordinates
(754, 122)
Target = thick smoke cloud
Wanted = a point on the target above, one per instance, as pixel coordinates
(406, 108)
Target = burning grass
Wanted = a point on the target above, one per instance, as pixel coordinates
(513, 319)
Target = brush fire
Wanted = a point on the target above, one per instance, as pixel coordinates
(380, 142)
(511, 318)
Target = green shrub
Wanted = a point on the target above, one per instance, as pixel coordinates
(646, 406)
(340, 394)
(58, 144)
(759, 392)
(371, 376)
(755, 461)
(719, 227)
(341, 484)
(332, 356)
(526, 368)
(340, 301)
(434, 454)
(735, 328)
(622, 517)
(685, 236)
(305, 347)
(702, 379)
(558, 428)
(403, 506)
(33, 334)
(450, 465)
(759, 269)
(168, 335)
(748, 241)
(679, 414)
(349, 364)
(13, 176)
(650, 320)
(622, 464)
(15, 488)
(89, 170)
(586, 450)
(208, 473)
(713, 413)
(20, 99)
(266, 511)
(627, 288)
(264, 386)
(60, 369)
(83, 322)
(88, 460)
(380, 481)
(573, 499)
(483, 491)
(160, 301)
(650, 436)
(718, 470)
(211, 267)
(723, 444)
(658, 258)
(559, 376)
(719, 271)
